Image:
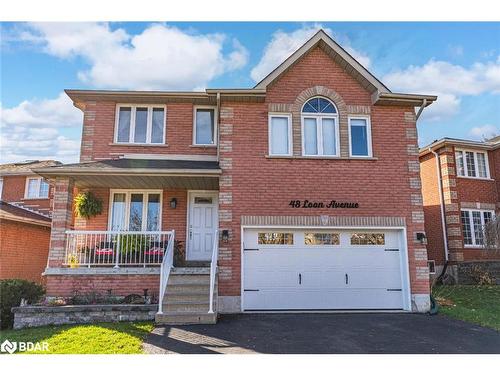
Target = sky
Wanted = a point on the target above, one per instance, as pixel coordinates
(459, 62)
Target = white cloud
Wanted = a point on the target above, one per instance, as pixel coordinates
(283, 44)
(161, 57)
(450, 82)
(484, 132)
(32, 130)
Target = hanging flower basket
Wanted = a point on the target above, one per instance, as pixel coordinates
(87, 205)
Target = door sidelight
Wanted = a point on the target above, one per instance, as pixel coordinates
(346, 279)
(300, 278)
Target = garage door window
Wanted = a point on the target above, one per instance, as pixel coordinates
(367, 239)
(275, 238)
(321, 239)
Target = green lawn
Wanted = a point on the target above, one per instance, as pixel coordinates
(103, 338)
(476, 304)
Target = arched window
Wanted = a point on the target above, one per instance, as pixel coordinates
(320, 129)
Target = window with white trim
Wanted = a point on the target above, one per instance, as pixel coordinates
(473, 164)
(1, 187)
(140, 124)
(135, 210)
(320, 130)
(205, 126)
(360, 144)
(280, 134)
(473, 224)
(36, 188)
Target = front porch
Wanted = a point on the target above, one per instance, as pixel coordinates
(150, 215)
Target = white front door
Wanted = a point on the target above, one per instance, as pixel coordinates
(202, 223)
(322, 269)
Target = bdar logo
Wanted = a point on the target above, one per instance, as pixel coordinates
(9, 347)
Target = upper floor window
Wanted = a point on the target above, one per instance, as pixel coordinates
(320, 128)
(1, 187)
(36, 188)
(280, 134)
(472, 164)
(360, 144)
(205, 125)
(140, 124)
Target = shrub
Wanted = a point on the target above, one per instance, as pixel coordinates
(481, 276)
(87, 205)
(11, 293)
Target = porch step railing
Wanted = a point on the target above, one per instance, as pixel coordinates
(166, 266)
(213, 270)
(117, 248)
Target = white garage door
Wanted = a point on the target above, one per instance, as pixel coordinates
(322, 269)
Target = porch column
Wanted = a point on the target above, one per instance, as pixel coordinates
(61, 220)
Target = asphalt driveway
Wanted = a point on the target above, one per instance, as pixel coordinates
(325, 333)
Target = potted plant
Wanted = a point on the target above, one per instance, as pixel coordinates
(73, 261)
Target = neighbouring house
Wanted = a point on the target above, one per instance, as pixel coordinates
(25, 220)
(302, 193)
(460, 188)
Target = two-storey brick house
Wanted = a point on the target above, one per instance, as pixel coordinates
(25, 211)
(305, 190)
(460, 187)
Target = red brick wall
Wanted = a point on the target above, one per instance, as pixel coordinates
(432, 209)
(263, 186)
(14, 190)
(23, 250)
(98, 133)
(120, 285)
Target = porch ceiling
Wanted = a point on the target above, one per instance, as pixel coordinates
(140, 174)
(148, 182)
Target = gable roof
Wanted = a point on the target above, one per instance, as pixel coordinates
(381, 95)
(340, 55)
(25, 167)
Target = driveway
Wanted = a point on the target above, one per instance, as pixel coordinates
(325, 333)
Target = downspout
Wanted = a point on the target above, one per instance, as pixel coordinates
(441, 204)
(421, 109)
(218, 125)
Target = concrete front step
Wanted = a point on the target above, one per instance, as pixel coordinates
(190, 271)
(185, 318)
(187, 297)
(185, 306)
(188, 288)
(188, 279)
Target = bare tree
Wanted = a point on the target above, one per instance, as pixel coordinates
(491, 235)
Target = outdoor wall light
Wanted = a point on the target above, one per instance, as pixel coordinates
(225, 235)
(421, 238)
(173, 203)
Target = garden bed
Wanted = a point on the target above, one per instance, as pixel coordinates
(38, 316)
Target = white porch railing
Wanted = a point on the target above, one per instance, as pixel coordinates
(166, 267)
(116, 248)
(213, 270)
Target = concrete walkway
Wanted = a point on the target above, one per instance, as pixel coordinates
(325, 333)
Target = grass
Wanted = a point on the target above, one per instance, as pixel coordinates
(471, 303)
(102, 338)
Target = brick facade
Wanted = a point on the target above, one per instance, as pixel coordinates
(252, 183)
(23, 250)
(458, 193)
(13, 191)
